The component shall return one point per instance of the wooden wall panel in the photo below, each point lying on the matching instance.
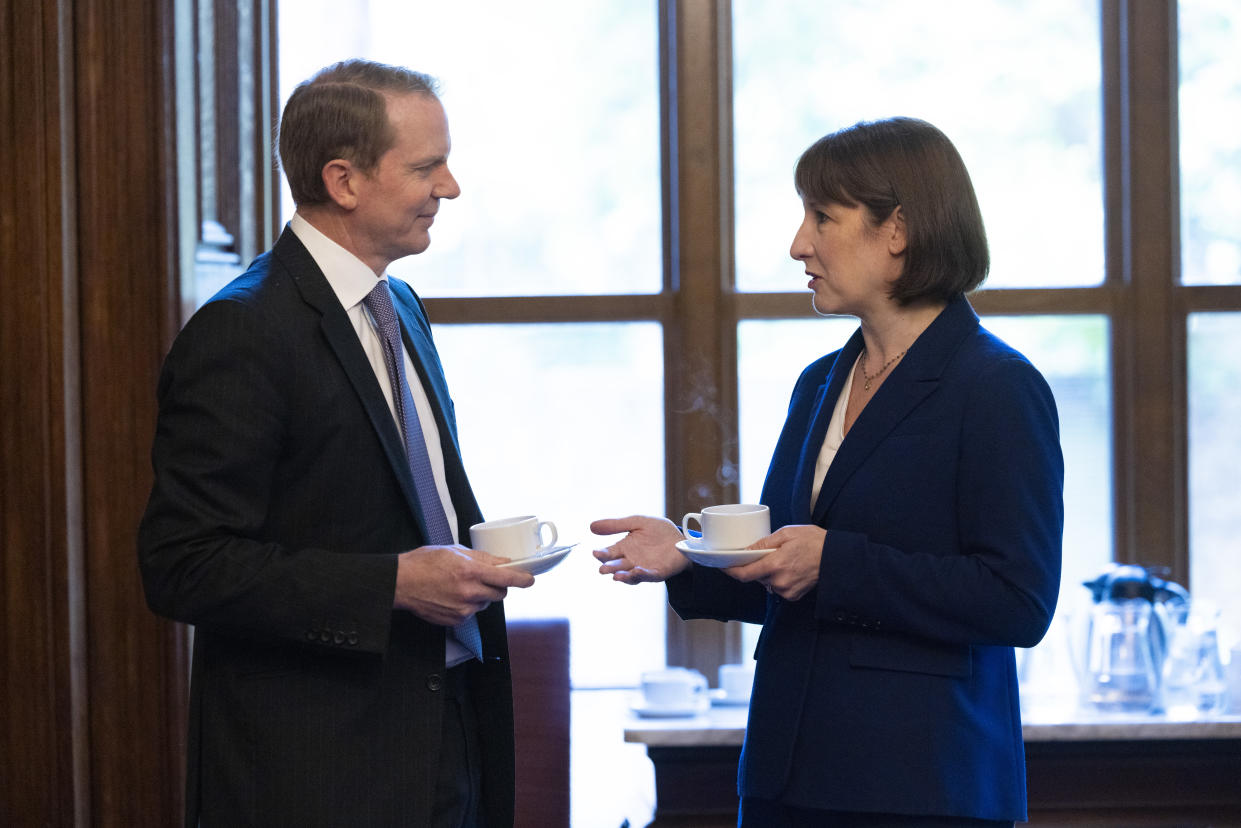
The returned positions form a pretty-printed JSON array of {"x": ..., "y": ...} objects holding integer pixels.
[
  {"x": 94, "y": 685},
  {"x": 125, "y": 239},
  {"x": 43, "y": 755}
]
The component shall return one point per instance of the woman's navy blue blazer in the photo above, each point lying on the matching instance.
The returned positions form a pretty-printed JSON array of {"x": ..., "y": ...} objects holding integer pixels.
[{"x": 892, "y": 685}]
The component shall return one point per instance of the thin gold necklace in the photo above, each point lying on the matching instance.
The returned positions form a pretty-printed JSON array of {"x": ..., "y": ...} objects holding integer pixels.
[{"x": 872, "y": 377}]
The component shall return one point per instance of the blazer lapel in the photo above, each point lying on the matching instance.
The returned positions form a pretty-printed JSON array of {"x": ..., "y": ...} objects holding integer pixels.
[
  {"x": 913, "y": 380},
  {"x": 343, "y": 340},
  {"x": 422, "y": 352},
  {"x": 824, "y": 404}
]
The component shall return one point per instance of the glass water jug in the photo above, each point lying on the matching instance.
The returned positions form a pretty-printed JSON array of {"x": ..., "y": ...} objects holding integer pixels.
[{"x": 1122, "y": 660}]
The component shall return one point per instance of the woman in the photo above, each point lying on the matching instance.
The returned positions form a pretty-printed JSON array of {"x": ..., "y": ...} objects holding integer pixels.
[{"x": 917, "y": 491}]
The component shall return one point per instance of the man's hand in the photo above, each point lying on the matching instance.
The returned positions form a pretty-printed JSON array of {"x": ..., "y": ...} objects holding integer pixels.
[
  {"x": 447, "y": 584},
  {"x": 647, "y": 553}
]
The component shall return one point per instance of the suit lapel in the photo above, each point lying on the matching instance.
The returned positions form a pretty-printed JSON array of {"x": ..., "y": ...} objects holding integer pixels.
[
  {"x": 343, "y": 340},
  {"x": 423, "y": 354},
  {"x": 913, "y": 380},
  {"x": 416, "y": 330},
  {"x": 824, "y": 403}
]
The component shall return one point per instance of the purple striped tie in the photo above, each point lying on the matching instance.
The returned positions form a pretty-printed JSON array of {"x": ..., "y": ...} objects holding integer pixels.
[{"x": 379, "y": 302}]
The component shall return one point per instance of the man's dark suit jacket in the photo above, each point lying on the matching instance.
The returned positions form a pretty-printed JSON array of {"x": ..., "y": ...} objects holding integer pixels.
[
  {"x": 281, "y": 500},
  {"x": 891, "y": 687}
]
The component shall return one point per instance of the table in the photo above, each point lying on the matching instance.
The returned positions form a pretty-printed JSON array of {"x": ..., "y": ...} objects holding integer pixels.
[{"x": 1115, "y": 771}]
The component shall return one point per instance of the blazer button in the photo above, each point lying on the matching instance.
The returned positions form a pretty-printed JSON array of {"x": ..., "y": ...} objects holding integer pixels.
[
  {"x": 325, "y": 637},
  {"x": 339, "y": 638},
  {"x": 311, "y": 635},
  {"x": 353, "y": 639},
  {"x": 435, "y": 681}
]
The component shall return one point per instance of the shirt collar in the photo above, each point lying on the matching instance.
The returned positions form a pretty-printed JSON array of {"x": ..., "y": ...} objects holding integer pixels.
[{"x": 350, "y": 278}]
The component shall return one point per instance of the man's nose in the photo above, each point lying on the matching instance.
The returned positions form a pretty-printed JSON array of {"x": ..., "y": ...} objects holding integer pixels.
[{"x": 447, "y": 186}]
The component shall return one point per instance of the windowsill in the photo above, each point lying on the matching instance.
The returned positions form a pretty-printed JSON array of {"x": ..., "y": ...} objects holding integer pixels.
[
  {"x": 1082, "y": 726},
  {"x": 725, "y": 726}
]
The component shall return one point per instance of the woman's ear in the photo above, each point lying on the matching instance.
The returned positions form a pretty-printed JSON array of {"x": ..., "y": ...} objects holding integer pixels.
[
  {"x": 340, "y": 181},
  {"x": 895, "y": 229}
]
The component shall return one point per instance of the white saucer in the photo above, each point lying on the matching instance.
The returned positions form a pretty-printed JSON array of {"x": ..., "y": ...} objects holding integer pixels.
[
  {"x": 652, "y": 711},
  {"x": 721, "y": 699},
  {"x": 718, "y": 558},
  {"x": 541, "y": 561}
]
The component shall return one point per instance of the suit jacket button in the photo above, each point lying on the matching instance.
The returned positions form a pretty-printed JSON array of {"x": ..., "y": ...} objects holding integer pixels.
[
  {"x": 339, "y": 638},
  {"x": 325, "y": 637},
  {"x": 353, "y": 639},
  {"x": 311, "y": 635},
  {"x": 435, "y": 681}
]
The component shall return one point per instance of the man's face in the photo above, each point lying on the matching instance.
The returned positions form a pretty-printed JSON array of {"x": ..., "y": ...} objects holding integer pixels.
[{"x": 398, "y": 199}]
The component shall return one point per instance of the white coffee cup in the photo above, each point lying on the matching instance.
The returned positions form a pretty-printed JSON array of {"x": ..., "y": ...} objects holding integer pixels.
[
  {"x": 733, "y": 526},
  {"x": 676, "y": 688},
  {"x": 513, "y": 538},
  {"x": 736, "y": 681}
]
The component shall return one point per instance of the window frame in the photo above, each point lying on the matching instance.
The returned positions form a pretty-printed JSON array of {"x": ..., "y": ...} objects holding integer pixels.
[{"x": 699, "y": 306}]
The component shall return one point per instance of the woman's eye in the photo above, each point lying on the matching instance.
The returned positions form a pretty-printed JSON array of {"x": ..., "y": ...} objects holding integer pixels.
[{"x": 820, "y": 216}]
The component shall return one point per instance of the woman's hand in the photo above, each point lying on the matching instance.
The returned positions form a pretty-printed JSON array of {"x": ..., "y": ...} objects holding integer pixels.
[
  {"x": 647, "y": 553},
  {"x": 791, "y": 568}
]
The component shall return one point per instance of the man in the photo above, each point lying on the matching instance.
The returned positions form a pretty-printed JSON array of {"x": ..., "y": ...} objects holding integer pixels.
[{"x": 309, "y": 494}]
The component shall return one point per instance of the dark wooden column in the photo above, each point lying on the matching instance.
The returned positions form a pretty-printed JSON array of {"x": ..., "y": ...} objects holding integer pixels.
[
  {"x": 43, "y": 729},
  {"x": 94, "y": 684},
  {"x": 701, "y": 332},
  {"x": 1149, "y": 342}
]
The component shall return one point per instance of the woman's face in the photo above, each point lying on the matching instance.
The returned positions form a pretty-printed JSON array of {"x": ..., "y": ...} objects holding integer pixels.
[{"x": 851, "y": 263}]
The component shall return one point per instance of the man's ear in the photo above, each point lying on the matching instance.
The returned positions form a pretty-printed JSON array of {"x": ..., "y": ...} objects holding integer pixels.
[
  {"x": 895, "y": 226},
  {"x": 340, "y": 181}
]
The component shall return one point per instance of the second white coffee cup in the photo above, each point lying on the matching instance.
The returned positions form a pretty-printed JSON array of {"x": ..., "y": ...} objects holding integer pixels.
[
  {"x": 513, "y": 538},
  {"x": 732, "y": 526},
  {"x": 674, "y": 687},
  {"x": 736, "y": 681}
]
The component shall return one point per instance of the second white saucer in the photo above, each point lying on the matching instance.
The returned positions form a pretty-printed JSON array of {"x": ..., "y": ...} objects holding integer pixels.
[
  {"x": 721, "y": 699},
  {"x": 718, "y": 558},
  {"x": 654, "y": 711},
  {"x": 541, "y": 561}
]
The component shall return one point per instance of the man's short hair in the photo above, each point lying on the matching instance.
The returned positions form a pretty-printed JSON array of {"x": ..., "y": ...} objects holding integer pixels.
[{"x": 342, "y": 112}]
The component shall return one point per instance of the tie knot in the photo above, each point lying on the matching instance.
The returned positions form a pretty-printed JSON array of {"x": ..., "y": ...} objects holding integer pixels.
[{"x": 379, "y": 302}]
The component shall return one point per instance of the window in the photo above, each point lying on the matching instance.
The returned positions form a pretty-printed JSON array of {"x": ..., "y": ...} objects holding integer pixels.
[
  {"x": 642, "y": 204},
  {"x": 559, "y": 391},
  {"x": 1035, "y": 159},
  {"x": 1210, "y": 166}
]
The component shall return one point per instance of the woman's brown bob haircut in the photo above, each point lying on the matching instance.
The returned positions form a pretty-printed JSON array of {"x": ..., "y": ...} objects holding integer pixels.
[
  {"x": 341, "y": 112},
  {"x": 906, "y": 163}
]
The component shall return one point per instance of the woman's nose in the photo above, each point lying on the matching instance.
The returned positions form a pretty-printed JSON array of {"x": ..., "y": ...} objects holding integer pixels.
[{"x": 799, "y": 249}]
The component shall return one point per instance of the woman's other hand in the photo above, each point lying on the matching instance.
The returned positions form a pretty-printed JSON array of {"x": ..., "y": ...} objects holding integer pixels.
[
  {"x": 647, "y": 553},
  {"x": 791, "y": 568}
]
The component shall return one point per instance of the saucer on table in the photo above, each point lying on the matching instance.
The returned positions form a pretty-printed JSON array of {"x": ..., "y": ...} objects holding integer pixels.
[
  {"x": 721, "y": 699},
  {"x": 540, "y": 561},
  {"x": 694, "y": 549},
  {"x": 657, "y": 711}
]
